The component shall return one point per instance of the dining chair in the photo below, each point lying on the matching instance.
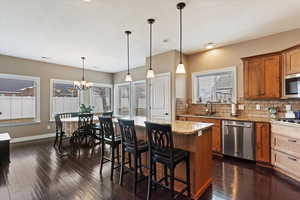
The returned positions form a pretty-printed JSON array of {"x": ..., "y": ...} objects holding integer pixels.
[
  {"x": 59, "y": 132},
  {"x": 109, "y": 138},
  {"x": 84, "y": 130},
  {"x": 132, "y": 146},
  {"x": 161, "y": 150}
]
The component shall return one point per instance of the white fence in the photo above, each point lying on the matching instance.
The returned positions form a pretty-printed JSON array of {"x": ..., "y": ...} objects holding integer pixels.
[
  {"x": 65, "y": 104},
  {"x": 17, "y": 107}
]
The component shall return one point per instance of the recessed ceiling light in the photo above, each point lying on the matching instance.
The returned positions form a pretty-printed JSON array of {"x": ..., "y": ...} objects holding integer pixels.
[
  {"x": 87, "y": 1},
  {"x": 45, "y": 58},
  {"x": 210, "y": 45}
]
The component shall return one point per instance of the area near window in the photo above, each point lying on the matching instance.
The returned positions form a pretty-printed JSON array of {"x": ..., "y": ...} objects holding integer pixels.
[
  {"x": 218, "y": 86},
  {"x": 64, "y": 97},
  {"x": 130, "y": 99},
  {"x": 101, "y": 98},
  {"x": 19, "y": 99}
]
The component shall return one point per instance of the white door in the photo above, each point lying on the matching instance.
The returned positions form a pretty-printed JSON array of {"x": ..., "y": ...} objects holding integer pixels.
[{"x": 160, "y": 93}]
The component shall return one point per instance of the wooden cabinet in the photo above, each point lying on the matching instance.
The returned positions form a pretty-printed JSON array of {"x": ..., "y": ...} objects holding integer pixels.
[
  {"x": 216, "y": 132},
  {"x": 263, "y": 146},
  {"x": 291, "y": 60},
  {"x": 286, "y": 149},
  {"x": 262, "y": 77}
]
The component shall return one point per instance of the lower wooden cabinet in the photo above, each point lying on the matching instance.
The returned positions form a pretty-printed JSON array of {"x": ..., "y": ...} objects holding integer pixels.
[
  {"x": 216, "y": 132},
  {"x": 263, "y": 144},
  {"x": 286, "y": 149}
]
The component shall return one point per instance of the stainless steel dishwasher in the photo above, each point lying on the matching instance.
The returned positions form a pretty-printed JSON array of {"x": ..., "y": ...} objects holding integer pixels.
[{"x": 238, "y": 139}]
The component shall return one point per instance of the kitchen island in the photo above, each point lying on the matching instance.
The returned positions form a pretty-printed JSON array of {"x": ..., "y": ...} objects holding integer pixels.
[{"x": 194, "y": 137}]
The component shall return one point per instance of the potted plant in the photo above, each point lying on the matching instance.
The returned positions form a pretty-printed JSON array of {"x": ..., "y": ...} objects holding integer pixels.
[{"x": 85, "y": 109}]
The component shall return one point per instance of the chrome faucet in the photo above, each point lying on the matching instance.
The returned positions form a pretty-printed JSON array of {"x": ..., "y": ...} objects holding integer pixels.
[{"x": 209, "y": 109}]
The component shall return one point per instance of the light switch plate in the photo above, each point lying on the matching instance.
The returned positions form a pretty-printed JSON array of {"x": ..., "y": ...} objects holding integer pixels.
[
  {"x": 48, "y": 127},
  {"x": 257, "y": 107},
  {"x": 288, "y": 107},
  {"x": 241, "y": 107}
]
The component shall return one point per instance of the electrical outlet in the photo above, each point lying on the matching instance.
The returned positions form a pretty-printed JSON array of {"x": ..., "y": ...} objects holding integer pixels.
[
  {"x": 241, "y": 107},
  {"x": 257, "y": 107},
  {"x": 288, "y": 107},
  {"x": 48, "y": 127}
]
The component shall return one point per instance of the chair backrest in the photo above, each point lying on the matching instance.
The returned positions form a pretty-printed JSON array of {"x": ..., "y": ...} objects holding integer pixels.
[
  {"x": 85, "y": 121},
  {"x": 128, "y": 134},
  {"x": 107, "y": 114},
  {"x": 69, "y": 115},
  {"x": 58, "y": 123},
  {"x": 107, "y": 127},
  {"x": 160, "y": 138}
]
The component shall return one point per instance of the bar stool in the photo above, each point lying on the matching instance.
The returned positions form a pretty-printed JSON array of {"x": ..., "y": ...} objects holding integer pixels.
[
  {"x": 131, "y": 145},
  {"x": 161, "y": 150},
  {"x": 109, "y": 138}
]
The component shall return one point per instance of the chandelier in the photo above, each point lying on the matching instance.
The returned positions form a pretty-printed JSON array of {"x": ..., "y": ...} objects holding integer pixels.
[{"x": 82, "y": 85}]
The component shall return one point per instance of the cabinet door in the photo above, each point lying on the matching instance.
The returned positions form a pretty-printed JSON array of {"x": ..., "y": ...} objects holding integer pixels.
[
  {"x": 272, "y": 79},
  {"x": 263, "y": 146},
  {"x": 287, "y": 163},
  {"x": 292, "y": 61},
  {"x": 254, "y": 81},
  {"x": 286, "y": 144},
  {"x": 216, "y": 131}
]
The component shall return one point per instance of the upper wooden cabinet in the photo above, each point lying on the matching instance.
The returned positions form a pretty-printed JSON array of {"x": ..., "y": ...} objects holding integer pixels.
[
  {"x": 291, "y": 60},
  {"x": 262, "y": 76}
]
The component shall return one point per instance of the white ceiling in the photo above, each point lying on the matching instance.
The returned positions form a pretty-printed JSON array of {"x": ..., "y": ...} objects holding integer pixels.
[{"x": 65, "y": 30}]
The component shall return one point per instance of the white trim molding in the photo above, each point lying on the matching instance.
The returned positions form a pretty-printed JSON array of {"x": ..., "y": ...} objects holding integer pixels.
[
  {"x": 213, "y": 71},
  {"x": 32, "y": 138}
]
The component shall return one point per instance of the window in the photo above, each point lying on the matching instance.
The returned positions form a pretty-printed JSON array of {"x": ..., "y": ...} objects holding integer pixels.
[
  {"x": 217, "y": 86},
  {"x": 100, "y": 97},
  {"x": 64, "y": 97},
  {"x": 19, "y": 98},
  {"x": 122, "y": 99},
  {"x": 139, "y": 98}
]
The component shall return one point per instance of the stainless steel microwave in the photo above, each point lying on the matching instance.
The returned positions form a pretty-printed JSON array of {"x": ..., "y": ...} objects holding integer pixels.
[{"x": 292, "y": 86}]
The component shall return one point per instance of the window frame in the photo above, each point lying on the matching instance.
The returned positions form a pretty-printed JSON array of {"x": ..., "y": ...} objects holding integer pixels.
[
  {"x": 195, "y": 88},
  {"x": 105, "y": 86},
  {"x": 133, "y": 96},
  {"x": 116, "y": 98},
  {"x": 51, "y": 94},
  {"x": 37, "y": 81}
]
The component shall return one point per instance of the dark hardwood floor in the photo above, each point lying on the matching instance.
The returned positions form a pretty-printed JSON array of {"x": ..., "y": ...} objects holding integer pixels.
[{"x": 38, "y": 172}]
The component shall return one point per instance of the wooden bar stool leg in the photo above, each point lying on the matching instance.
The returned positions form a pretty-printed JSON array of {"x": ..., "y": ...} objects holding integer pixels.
[
  {"x": 102, "y": 156},
  {"x": 188, "y": 181},
  {"x": 172, "y": 175},
  {"x": 135, "y": 172},
  {"x": 118, "y": 154},
  {"x": 129, "y": 159},
  {"x": 122, "y": 165},
  {"x": 140, "y": 164},
  {"x": 112, "y": 161},
  {"x": 150, "y": 179},
  {"x": 166, "y": 175}
]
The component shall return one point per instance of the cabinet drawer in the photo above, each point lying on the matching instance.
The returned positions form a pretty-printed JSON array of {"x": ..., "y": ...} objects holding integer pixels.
[
  {"x": 286, "y": 144},
  {"x": 287, "y": 163}
]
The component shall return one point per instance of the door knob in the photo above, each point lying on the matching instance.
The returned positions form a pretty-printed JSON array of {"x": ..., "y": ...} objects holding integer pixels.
[{"x": 166, "y": 113}]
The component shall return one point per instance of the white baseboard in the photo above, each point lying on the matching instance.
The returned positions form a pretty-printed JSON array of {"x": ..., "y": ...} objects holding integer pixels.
[{"x": 31, "y": 138}]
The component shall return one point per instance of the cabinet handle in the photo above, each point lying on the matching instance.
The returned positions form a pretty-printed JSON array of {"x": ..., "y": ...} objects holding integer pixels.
[
  {"x": 290, "y": 140},
  {"x": 293, "y": 159},
  {"x": 274, "y": 141}
]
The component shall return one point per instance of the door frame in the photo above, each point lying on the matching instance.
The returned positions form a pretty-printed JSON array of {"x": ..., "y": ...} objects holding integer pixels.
[{"x": 148, "y": 83}]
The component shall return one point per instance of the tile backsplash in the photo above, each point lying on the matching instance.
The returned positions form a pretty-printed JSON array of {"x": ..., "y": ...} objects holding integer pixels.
[{"x": 250, "y": 107}]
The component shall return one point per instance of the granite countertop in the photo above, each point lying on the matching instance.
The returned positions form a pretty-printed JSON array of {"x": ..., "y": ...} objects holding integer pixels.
[
  {"x": 277, "y": 122},
  {"x": 178, "y": 127},
  {"x": 238, "y": 118}
]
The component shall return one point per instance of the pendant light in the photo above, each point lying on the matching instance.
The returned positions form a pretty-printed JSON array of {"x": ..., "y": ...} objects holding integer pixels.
[
  {"x": 82, "y": 85},
  {"x": 150, "y": 72},
  {"x": 180, "y": 68},
  {"x": 128, "y": 77}
]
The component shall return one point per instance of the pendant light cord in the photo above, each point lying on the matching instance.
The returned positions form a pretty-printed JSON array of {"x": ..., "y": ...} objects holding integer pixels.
[
  {"x": 83, "y": 67},
  {"x": 150, "y": 46},
  {"x": 128, "y": 52},
  {"x": 181, "y": 36}
]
